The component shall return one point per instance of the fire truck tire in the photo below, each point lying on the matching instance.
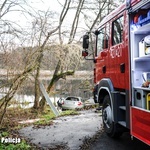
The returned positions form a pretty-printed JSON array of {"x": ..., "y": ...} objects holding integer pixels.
[{"x": 110, "y": 127}]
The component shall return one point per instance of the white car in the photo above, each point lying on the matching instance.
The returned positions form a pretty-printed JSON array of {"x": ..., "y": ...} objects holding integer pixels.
[{"x": 72, "y": 102}]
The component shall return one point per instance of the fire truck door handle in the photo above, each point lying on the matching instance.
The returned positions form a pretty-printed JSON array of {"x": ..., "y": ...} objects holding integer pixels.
[
  {"x": 122, "y": 67},
  {"x": 104, "y": 69}
]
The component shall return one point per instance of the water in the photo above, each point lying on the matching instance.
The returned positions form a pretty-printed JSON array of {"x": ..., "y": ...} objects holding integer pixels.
[
  {"x": 24, "y": 98},
  {"x": 25, "y": 101}
]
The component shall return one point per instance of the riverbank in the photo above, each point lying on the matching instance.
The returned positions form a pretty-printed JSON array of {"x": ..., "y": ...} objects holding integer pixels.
[
  {"x": 68, "y": 132},
  {"x": 17, "y": 118},
  {"x": 46, "y": 74}
]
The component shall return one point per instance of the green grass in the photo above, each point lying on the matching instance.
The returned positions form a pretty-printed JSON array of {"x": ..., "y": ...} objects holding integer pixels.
[
  {"x": 69, "y": 112},
  {"x": 21, "y": 146},
  {"x": 48, "y": 116}
]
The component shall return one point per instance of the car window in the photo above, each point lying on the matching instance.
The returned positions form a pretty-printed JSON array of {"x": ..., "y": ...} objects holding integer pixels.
[
  {"x": 69, "y": 98},
  {"x": 72, "y": 99},
  {"x": 75, "y": 99}
]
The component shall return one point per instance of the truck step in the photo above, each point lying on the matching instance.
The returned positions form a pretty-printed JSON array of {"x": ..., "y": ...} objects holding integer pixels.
[
  {"x": 122, "y": 93},
  {"x": 123, "y": 123},
  {"x": 122, "y": 107}
]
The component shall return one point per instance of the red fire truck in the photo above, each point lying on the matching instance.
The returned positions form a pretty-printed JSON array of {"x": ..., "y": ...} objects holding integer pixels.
[{"x": 122, "y": 69}]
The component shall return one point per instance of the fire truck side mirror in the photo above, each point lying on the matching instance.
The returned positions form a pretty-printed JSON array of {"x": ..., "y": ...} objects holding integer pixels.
[
  {"x": 84, "y": 53},
  {"x": 86, "y": 41}
]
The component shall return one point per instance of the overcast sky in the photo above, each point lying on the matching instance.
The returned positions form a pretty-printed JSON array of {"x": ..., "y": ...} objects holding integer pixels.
[
  {"x": 43, "y": 5},
  {"x": 52, "y": 5}
]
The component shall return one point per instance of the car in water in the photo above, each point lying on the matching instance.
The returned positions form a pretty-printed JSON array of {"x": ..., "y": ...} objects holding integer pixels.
[{"x": 72, "y": 102}]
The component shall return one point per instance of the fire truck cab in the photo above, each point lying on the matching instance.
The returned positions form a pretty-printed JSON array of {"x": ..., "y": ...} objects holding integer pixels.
[{"x": 122, "y": 69}]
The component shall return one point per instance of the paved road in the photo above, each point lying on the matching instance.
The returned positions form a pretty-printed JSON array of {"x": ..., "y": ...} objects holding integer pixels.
[
  {"x": 82, "y": 132},
  {"x": 123, "y": 143},
  {"x": 67, "y": 132}
]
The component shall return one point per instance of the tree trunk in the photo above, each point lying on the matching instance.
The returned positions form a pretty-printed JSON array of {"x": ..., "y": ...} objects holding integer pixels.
[
  {"x": 42, "y": 102},
  {"x": 37, "y": 90},
  {"x": 55, "y": 78}
]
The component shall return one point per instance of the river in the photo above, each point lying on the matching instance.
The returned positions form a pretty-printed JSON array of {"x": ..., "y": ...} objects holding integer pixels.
[{"x": 78, "y": 85}]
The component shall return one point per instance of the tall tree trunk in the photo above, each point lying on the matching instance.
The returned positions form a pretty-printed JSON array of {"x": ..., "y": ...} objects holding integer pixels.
[
  {"x": 16, "y": 83},
  {"x": 37, "y": 90},
  {"x": 39, "y": 60},
  {"x": 42, "y": 102},
  {"x": 55, "y": 78}
]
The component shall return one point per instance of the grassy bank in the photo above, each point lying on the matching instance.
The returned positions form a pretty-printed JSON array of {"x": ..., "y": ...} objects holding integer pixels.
[{"x": 17, "y": 118}]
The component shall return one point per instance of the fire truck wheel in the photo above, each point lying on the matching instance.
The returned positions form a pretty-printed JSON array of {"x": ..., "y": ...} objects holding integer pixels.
[{"x": 109, "y": 126}]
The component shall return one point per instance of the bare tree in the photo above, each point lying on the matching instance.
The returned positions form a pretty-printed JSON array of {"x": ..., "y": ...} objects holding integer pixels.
[
  {"x": 60, "y": 70},
  {"x": 76, "y": 21},
  {"x": 69, "y": 58},
  {"x": 98, "y": 10},
  {"x": 33, "y": 62},
  {"x": 42, "y": 26},
  {"x": 10, "y": 27},
  {"x": 62, "y": 16},
  {"x": 43, "y": 31},
  {"x": 40, "y": 37}
]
